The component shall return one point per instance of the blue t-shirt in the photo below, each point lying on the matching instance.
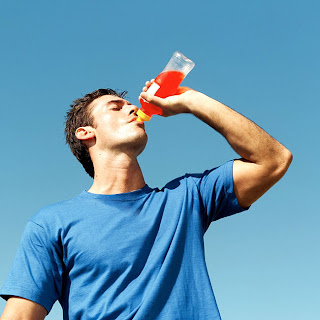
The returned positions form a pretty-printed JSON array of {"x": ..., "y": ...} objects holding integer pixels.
[{"x": 137, "y": 255}]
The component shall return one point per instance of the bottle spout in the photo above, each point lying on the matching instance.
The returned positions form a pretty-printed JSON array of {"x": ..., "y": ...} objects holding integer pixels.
[
  {"x": 142, "y": 116},
  {"x": 139, "y": 119}
]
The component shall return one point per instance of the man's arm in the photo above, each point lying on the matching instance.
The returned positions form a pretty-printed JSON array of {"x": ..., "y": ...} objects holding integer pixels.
[
  {"x": 264, "y": 160},
  {"x": 22, "y": 309}
]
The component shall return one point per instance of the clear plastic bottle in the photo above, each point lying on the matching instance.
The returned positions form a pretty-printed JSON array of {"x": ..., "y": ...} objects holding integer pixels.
[{"x": 165, "y": 84}]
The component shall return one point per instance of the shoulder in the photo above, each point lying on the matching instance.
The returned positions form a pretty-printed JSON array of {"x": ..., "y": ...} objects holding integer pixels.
[
  {"x": 220, "y": 173},
  {"x": 55, "y": 213}
]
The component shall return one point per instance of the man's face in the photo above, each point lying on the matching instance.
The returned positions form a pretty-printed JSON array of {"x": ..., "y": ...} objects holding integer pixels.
[{"x": 116, "y": 128}]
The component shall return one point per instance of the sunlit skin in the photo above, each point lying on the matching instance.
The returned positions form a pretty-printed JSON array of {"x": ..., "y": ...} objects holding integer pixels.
[{"x": 114, "y": 144}]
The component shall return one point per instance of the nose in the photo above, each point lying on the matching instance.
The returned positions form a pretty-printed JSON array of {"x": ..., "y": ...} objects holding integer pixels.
[{"x": 132, "y": 109}]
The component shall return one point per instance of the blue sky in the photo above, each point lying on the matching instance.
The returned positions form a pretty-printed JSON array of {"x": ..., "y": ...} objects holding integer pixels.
[{"x": 259, "y": 57}]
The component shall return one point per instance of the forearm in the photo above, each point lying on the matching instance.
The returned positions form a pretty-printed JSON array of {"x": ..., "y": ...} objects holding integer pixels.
[
  {"x": 245, "y": 137},
  {"x": 22, "y": 309}
]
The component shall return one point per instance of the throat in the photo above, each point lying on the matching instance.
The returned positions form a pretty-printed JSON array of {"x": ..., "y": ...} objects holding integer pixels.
[{"x": 117, "y": 180}]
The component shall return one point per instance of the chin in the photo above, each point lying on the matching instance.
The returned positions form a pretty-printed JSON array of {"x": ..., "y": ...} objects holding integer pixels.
[
  {"x": 142, "y": 144},
  {"x": 137, "y": 144}
]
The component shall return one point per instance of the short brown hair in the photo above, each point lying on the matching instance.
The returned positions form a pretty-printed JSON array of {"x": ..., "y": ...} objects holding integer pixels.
[{"x": 80, "y": 115}]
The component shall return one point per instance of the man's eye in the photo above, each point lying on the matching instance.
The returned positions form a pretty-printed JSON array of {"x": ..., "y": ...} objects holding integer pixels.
[{"x": 116, "y": 108}]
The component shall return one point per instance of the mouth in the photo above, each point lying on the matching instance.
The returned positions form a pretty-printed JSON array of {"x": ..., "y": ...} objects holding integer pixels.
[
  {"x": 132, "y": 118},
  {"x": 135, "y": 120}
]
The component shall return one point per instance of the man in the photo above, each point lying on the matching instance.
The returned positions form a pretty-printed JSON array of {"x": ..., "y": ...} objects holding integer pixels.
[{"x": 122, "y": 250}]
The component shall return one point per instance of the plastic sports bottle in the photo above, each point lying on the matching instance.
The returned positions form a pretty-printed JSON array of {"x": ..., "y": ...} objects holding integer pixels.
[{"x": 165, "y": 84}]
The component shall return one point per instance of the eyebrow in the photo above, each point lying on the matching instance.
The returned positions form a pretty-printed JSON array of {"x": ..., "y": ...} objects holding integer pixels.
[{"x": 118, "y": 101}]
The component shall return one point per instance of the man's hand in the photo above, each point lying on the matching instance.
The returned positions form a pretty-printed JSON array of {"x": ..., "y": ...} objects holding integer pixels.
[{"x": 172, "y": 105}]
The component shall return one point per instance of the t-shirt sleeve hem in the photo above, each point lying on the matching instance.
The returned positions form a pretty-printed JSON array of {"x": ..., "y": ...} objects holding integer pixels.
[
  {"x": 228, "y": 186},
  {"x": 7, "y": 292}
]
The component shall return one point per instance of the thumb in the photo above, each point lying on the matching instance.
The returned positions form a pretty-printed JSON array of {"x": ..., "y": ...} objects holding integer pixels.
[{"x": 152, "y": 99}]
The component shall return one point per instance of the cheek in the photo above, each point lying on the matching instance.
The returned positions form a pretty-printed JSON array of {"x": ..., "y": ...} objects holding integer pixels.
[
  {"x": 106, "y": 130},
  {"x": 109, "y": 125}
]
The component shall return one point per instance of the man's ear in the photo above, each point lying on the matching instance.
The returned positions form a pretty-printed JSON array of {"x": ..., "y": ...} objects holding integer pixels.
[{"x": 85, "y": 133}]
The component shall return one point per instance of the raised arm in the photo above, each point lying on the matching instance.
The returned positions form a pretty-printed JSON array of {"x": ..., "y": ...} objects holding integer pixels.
[
  {"x": 264, "y": 160},
  {"x": 22, "y": 309}
]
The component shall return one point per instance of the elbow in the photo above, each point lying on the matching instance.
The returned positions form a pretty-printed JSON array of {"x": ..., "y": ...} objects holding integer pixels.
[
  {"x": 282, "y": 163},
  {"x": 287, "y": 159},
  {"x": 290, "y": 157}
]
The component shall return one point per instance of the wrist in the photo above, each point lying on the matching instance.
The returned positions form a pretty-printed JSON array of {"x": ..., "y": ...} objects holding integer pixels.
[{"x": 195, "y": 101}]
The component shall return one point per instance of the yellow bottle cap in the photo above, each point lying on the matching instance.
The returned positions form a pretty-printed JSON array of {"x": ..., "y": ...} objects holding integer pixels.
[{"x": 142, "y": 116}]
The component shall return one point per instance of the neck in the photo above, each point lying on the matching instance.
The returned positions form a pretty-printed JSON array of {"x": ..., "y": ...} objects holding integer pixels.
[{"x": 113, "y": 175}]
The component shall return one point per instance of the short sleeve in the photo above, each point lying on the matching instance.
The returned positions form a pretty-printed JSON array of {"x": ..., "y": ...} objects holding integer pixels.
[
  {"x": 36, "y": 273},
  {"x": 216, "y": 193}
]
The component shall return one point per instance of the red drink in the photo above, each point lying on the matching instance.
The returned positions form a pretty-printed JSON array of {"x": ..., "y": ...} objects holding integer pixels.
[
  {"x": 165, "y": 85},
  {"x": 169, "y": 82}
]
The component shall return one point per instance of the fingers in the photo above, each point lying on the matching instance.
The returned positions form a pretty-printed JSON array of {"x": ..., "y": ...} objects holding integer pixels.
[
  {"x": 147, "y": 85},
  {"x": 153, "y": 99}
]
